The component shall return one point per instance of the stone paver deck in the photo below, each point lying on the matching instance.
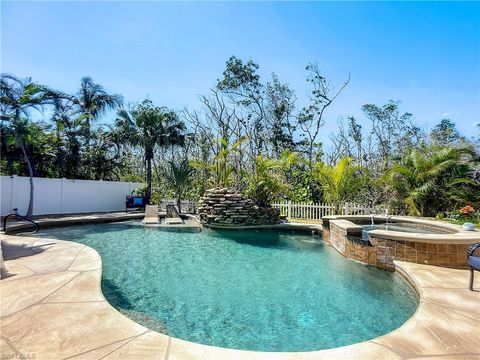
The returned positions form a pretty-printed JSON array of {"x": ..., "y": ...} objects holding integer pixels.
[{"x": 52, "y": 307}]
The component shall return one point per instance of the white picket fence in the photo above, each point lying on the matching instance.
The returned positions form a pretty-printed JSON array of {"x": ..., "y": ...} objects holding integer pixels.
[
  {"x": 311, "y": 211},
  {"x": 293, "y": 210}
]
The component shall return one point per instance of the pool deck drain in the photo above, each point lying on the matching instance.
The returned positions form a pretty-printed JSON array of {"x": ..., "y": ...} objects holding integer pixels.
[{"x": 52, "y": 307}]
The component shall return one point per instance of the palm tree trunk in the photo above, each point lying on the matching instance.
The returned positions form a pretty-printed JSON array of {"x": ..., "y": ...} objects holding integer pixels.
[
  {"x": 179, "y": 203},
  {"x": 88, "y": 136},
  {"x": 149, "y": 177},
  {"x": 30, "y": 172},
  {"x": 87, "y": 131}
]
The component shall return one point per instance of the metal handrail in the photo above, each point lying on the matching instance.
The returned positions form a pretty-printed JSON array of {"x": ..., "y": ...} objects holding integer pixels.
[{"x": 37, "y": 227}]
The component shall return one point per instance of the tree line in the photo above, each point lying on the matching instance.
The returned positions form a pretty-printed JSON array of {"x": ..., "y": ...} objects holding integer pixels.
[{"x": 246, "y": 133}]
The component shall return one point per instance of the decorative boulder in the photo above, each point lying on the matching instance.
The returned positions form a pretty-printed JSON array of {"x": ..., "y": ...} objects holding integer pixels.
[
  {"x": 469, "y": 226},
  {"x": 221, "y": 206}
]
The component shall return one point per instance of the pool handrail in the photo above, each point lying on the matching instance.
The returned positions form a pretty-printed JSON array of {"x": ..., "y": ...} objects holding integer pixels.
[{"x": 5, "y": 219}]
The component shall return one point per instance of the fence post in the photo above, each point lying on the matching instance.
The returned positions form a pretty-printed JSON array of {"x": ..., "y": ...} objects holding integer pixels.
[
  {"x": 100, "y": 189},
  {"x": 12, "y": 193},
  {"x": 347, "y": 210},
  {"x": 289, "y": 209},
  {"x": 61, "y": 196}
]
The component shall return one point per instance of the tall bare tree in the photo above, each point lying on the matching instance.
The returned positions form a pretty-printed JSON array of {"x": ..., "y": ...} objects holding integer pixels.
[{"x": 311, "y": 118}]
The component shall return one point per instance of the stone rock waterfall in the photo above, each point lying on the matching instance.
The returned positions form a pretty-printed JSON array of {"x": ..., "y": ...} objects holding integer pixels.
[{"x": 225, "y": 207}]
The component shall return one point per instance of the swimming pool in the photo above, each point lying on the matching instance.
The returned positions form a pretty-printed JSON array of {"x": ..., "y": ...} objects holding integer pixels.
[{"x": 254, "y": 290}]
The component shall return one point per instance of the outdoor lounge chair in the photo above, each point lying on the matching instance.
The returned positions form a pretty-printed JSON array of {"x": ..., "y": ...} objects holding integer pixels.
[
  {"x": 173, "y": 217},
  {"x": 151, "y": 215},
  {"x": 473, "y": 262}
]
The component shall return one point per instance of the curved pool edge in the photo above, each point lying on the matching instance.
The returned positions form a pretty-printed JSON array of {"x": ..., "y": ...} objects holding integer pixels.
[{"x": 68, "y": 315}]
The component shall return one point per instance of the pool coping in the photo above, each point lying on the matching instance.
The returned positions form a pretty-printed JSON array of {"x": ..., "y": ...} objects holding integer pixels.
[
  {"x": 53, "y": 307},
  {"x": 92, "y": 218},
  {"x": 281, "y": 226},
  {"x": 74, "y": 219}
]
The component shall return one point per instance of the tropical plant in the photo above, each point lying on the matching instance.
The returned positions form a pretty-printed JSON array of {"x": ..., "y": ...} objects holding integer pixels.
[
  {"x": 92, "y": 101},
  {"x": 103, "y": 158},
  {"x": 149, "y": 126},
  {"x": 178, "y": 176},
  {"x": 433, "y": 179},
  {"x": 17, "y": 98},
  {"x": 223, "y": 168},
  {"x": 40, "y": 144},
  {"x": 459, "y": 216},
  {"x": 341, "y": 182},
  {"x": 69, "y": 137},
  {"x": 267, "y": 183}
]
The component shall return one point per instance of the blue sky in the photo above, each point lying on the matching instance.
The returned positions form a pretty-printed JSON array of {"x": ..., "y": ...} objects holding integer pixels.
[{"x": 425, "y": 54}]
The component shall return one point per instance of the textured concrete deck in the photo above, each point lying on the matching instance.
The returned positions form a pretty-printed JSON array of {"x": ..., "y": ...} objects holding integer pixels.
[{"x": 52, "y": 307}]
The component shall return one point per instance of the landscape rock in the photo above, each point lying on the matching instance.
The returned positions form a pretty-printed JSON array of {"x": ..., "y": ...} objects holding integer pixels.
[{"x": 222, "y": 206}]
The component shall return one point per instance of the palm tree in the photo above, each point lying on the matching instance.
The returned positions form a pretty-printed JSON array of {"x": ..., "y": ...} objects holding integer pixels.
[
  {"x": 68, "y": 133},
  {"x": 92, "y": 101},
  {"x": 341, "y": 182},
  {"x": 17, "y": 98},
  {"x": 222, "y": 168},
  {"x": 268, "y": 182},
  {"x": 149, "y": 126},
  {"x": 177, "y": 175},
  {"x": 104, "y": 157},
  {"x": 74, "y": 114},
  {"x": 434, "y": 179}
]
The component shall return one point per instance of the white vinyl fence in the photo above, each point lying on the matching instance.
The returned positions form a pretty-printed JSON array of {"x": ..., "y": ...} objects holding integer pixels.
[
  {"x": 63, "y": 196},
  {"x": 317, "y": 211}
]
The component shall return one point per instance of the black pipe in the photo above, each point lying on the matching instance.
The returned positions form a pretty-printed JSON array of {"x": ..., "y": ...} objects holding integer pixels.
[{"x": 37, "y": 227}]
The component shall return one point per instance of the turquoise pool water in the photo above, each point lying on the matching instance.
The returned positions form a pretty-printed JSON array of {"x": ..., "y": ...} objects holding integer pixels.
[{"x": 255, "y": 290}]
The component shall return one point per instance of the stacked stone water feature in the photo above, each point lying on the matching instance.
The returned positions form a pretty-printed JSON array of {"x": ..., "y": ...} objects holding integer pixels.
[{"x": 222, "y": 206}]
